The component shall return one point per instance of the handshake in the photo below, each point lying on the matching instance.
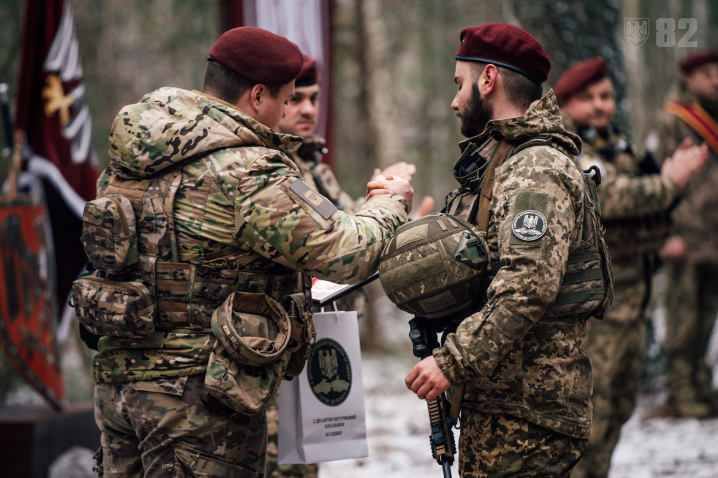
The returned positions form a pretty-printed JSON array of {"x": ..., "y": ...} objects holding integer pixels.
[{"x": 395, "y": 180}]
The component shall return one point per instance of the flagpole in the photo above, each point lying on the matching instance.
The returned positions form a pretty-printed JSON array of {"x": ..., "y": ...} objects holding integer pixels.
[{"x": 7, "y": 127}]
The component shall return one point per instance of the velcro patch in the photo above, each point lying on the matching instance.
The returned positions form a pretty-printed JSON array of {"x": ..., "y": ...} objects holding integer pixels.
[
  {"x": 315, "y": 200},
  {"x": 529, "y": 222}
]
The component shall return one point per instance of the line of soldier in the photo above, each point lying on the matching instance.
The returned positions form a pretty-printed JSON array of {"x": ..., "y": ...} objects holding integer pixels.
[{"x": 241, "y": 179}]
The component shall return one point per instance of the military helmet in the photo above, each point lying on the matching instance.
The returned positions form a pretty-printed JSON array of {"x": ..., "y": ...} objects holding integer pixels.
[
  {"x": 253, "y": 328},
  {"x": 434, "y": 266}
]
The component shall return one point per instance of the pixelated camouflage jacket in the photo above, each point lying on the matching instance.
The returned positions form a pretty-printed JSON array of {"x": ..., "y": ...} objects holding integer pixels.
[
  {"x": 635, "y": 206},
  {"x": 320, "y": 177},
  {"x": 235, "y": 202},
  {"x": 514, "y": 360},
  {"x": 696, "y": 217}
]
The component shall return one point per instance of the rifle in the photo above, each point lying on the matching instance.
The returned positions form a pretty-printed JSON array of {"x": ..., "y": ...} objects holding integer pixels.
[{"x": 443, "y": 446}]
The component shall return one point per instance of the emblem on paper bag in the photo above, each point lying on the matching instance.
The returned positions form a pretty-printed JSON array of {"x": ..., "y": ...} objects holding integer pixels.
[{"x": 329, "y": 372}]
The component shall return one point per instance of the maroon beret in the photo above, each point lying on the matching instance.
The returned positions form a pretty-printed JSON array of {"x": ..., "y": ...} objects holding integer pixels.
[
  {"x": 579, "y": 76},
  {"x": 695, "y": 61},
  {"x": 309, "y": 74},
  {"x": 505, "y": 45},
  {"x": 259, "y": 55}
]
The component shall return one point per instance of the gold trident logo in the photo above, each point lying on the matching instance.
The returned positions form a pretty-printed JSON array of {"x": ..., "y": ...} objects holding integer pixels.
[
  {"x": 56, "y": 100},
  {"x": 313, "y": 197}
]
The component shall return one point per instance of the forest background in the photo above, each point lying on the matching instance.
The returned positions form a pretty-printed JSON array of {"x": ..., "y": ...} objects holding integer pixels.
[{"x": 393, "y": 66}]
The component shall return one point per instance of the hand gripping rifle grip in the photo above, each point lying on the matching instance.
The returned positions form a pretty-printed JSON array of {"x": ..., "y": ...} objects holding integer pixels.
[{"x": 443, "y": 447}]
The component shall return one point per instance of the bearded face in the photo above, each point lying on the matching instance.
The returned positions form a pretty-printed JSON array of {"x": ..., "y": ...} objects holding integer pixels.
[{"x": 476, "y": 114}]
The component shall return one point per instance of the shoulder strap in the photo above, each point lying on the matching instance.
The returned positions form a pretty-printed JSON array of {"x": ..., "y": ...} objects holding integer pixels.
[{"x": 501, "y": 154}]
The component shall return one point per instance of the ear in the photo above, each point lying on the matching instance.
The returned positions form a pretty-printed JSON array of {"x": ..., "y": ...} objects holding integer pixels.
[
  {"x": 487, "y": 79},
  {"x": 255, "y": 96}
]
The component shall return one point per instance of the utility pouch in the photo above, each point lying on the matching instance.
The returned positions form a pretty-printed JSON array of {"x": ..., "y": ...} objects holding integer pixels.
[
  {"x": 109, "y": 234},
  {"x": 250, "y": 356},
  {"x": 107, "y": 307},
  {"x": 303, "y": 334}
]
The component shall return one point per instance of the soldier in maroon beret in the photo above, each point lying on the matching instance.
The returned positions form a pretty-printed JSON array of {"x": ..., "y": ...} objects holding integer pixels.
[
  {"x": 636, "y": 197},
  {"x": 221, "y": 220},
  {"x": 514, "y": 354},
  {"x": 690, "y": 110}
]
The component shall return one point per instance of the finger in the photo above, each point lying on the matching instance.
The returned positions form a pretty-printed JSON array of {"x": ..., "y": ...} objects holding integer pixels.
[
  {"x": 427, "y": 205},
  {"x": 424, "y": 390},
  {"x": 417, "y": 384},
  {"x": 411, "y": 376},
  {"x": 687, "y": 143},
  {"x": 433, "y": 393},
  {"x": 377, "y": 184}
]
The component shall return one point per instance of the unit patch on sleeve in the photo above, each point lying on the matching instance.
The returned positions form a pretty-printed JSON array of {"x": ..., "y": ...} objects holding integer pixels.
[
  {"x": 529, "y": 223},
  {"x": 315, "y": 200}
]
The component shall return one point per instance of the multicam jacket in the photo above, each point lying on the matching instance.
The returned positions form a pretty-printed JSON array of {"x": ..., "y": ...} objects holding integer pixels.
[
  {"x": 696, "y": 217},
  {"x": 237, "y": 203},
  {"x": 514, "y": 359},
  {"x": 636, "y": 206},
  {"x": 635, "y": 202},
  {"x": 320, "y": 177}
]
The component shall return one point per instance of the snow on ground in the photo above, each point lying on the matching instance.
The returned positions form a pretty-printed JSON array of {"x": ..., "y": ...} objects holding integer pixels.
[
  {"x": 397, "y": 427},
  {"x": 398, "y": 435}
]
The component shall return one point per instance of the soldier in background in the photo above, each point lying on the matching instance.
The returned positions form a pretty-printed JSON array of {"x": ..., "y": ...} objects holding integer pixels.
[
  {"x": 300, "y": 120},
  {"x": 636, "y": 197},
  {"x": 691, "y": 253}
]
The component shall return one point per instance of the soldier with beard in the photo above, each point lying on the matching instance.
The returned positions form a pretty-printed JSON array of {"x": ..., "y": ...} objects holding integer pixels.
[
  {"x": 527, "y": 409},
  {"x": 691, "y": 109},
  {"x": 636, "y": 198}
]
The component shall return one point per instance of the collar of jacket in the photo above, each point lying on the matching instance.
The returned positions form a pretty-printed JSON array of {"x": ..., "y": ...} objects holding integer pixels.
[
  {"x": 170, "y": 125},
  {"x": 267, "y": 137},
  {"x": 542, "y": 117}
]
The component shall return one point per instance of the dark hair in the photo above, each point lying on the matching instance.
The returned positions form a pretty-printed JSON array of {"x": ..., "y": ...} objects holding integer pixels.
[
  {"x": 520, "y": 90},
  {"x": 228, "y": 85}
]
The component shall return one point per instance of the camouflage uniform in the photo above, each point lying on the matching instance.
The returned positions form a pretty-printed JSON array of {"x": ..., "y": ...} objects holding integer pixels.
[
  {"x": 634, "y": 211},
  {"x": 234, "y": 205},
  {"x": 527, "y": 406},
  {"x": 692, "y": 300},
  {"x": 321, "y": 178}
]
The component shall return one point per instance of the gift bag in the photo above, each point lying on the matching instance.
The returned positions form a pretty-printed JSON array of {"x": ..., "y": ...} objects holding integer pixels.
[{"x": 321, "y": 412}]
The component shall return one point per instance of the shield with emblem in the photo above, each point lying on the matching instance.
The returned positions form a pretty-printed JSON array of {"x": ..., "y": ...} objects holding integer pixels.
[
  {"x": 27, "y": 301},
  {"x": 636, "y": 30}
]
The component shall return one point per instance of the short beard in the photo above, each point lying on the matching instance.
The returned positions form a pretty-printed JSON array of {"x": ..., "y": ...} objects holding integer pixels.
[{"x": 476, "y": 115}]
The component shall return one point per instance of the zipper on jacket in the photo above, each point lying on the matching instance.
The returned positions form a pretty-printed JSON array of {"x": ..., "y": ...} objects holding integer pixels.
[{"x": 121, "y": 213}]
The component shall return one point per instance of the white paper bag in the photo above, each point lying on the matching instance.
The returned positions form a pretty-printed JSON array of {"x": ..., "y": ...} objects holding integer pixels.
[{"x": 321, "y": 412}]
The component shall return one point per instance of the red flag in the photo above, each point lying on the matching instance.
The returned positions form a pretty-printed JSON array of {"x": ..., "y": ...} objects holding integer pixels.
[
  {"x": 53, "y": 129},
  {"x": 51, "y": 108},
  {"x": 53, "y": 114}
]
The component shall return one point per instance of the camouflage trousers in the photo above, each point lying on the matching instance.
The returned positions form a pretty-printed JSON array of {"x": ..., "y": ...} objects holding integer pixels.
[
  {"x": 161, "y": 428},
  {"x": 274, "y": 470},
  {"x": 616, "y": 347},
  {"x": 493, "y": 446},
  {"x": 692, "y": 305}
]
